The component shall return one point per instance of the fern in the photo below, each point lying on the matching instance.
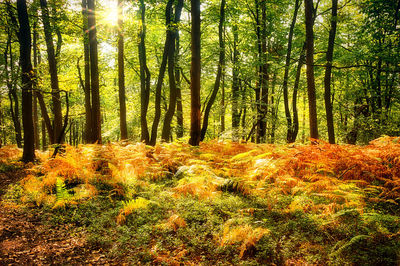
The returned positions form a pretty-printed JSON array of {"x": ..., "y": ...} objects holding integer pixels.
[{"x": 61, "y": 191}]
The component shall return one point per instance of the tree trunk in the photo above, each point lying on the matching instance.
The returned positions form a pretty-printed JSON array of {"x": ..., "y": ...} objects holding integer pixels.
[
  {"x": 26, "y": 81},
  {"x": 35, "y": 107},
  {"x": 55, "y": 89},
  {"x": 264, "y": 75},
  {"x": 295, "y": 126},
  {"x": 166, "y": 131},
  {"x": 121, "y": 75},
  {"x": 221, "y": 64},
  {"x": 312, "y": 100},
  {"x": 161, "y": 74},
  {"x": 286, "y": 75},
  {"x": 44, "y": 141},
  {"x": 86, "y": 86},
  {"x": 328, "y": 74},
  {"x": 195, "y": 75},
  {"x": 179, "y": 107},
  {"x": 12, "y": 92},
  {"x": 94, "y": 74},
  {"x": 144, "y": 76},
  {"x": 235, "y": 86}
]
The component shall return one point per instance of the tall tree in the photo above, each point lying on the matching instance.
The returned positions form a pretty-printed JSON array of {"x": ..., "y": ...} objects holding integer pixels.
[
  {"x": 9, "y": 73},
  {"x": 195, "y": 74},
  {"x": 221, "y": 63},
  {"x": 26, "y": 81},
  {"x": 51, "y": 56},
  {"x": 94, "y": 74},
  {"x": 312, "y": 100},
  {"x": 161, "y": 74},
  {"x": 290, "y": 126},
  {"x": 144, "y": 76},
  {"x": 121, "y": 74},
  {"x": 172, "y": 30},
  {"x": 35, "y": 66},
  {"x": 86, "y": 85},
  {"x": 328, "y": 74},
  {"x": 235, "y": 85}
]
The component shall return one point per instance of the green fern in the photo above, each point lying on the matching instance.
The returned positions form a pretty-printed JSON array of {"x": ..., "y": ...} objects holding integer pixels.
[{"x": 61, "y": 191}]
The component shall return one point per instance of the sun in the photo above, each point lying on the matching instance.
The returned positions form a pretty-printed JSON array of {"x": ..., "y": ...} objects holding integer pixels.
[{"x": 110, "y": 14}]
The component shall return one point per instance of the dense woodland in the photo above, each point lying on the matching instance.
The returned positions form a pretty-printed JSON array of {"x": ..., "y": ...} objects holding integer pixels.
[
  {"x": 261, "y": 71},
  {"x": 200, "y": 132}
]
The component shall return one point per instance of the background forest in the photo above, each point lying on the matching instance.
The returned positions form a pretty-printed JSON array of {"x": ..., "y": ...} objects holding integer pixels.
[
  {"x": 131, "y": 76},
  {"x": 203, "y": 111}
]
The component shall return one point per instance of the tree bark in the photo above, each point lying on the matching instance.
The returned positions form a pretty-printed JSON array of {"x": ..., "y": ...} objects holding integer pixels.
[
  {"x": 286, "y": 75},
  {"x": 195, "y": 75},
  {"x": 12, "y": 92},
  {"x": 166, "y": 131},
  {"x": 312, "y": 100},
  {"x": 179, "y": 107},
  {"x": 235, "y": 86},
  {"x": 144, "y": 76},
  {"x": 328, "y": 74},
  {"x": 221, "y": 64},
  {"x": 121, "y": 75},
  {"x": 35, "y": 107},
  {"x": 86, "y": 86},
  {"x": 161, "y": 74},
  {"x": 94, "y": 74},
  {"x": 55, "y": 89},
  {"x": 26, "y": 81}
]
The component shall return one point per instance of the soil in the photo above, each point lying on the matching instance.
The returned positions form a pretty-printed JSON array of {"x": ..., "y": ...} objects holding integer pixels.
[{"x": 26, "y": 240}]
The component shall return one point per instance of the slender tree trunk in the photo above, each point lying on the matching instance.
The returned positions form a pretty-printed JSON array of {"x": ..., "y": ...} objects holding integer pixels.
[
  {"x": 12, "y": 93},
  {"x": 86, "y": 86},
  {"x": 286, "y": 75},
  {"x": 295, "y": 125},
  {"x": 223, "y": 100},
  {"x": 195, "y": 75},
  {"x": 274, "y": 109},
  {"x": 161, "y": 74},
  {"x": 179, "y": 107},
  {"x": 35, "y": 107},
  {"x": 121, "y": 75},
  {"x": 221, "y": 64},
  {"x": 312, "y": 100},
  {"x": 44, "y": 140},
  {"x": 144, "y": 76},
  {"x": 264, "y": 75},
  {"x": 94, "y": 74},
  {"x": 166, "y": 131},
  {"x": 26, "y": 81},
  {"x": 235, "y": 86},
  {"x": 55, "y": 90},
  {"x": 328, "y": 74}
]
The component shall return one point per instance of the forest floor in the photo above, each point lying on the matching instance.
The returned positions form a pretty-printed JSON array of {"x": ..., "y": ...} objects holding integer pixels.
[
  {"x": 222, "y": 203},
  {"x": 26, "y": 240}
]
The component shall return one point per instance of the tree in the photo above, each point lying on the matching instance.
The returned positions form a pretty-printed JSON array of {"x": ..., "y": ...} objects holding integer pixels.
[
  {"x": 172, "y": 31},
  {"x": 195, "y": 74},
  {"x": 235, "y": 85},
  {"x": 144, "y": 76},
  {"x": 328, "y": 74},
  {"x": 94, "y": 74},
  {"x": 290, "y": 124},
  {"x": 312, "y": 100},
  {"x": 10, "y": 73},
  {"x": 24, "y": 37},
  {"x": 51, "y": 56},
  {"x": 86, "y": 84},
  {"x": 221, "y": 64},
  {"x": 121, "y": 74}
]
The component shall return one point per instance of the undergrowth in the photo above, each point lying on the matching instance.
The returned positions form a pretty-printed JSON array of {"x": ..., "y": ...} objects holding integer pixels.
[{"x": 224, "y": 202}]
